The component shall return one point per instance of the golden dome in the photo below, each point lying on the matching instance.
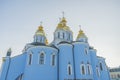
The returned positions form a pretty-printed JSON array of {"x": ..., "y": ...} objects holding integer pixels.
[
  {"x": 63, "y": 20},
  {"x": 40, "y": 31},
  {"x": 81, "y": 34},
  {"x": 40, "y": 28},
  {"x": 62, "y": 25}
]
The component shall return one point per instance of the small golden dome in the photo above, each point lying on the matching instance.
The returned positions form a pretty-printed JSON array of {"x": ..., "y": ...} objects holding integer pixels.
[
  {"x": 63, "y": 20},
  {"x": 60, "y": 26},
  {"x": 40, "y": 31},
  {"x": 40, "y": 28},
  {"x": 81, "y": 34},
  {"x": 46, "y": 42}
]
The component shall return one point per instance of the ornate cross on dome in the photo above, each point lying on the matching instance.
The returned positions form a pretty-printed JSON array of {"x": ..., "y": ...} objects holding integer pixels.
[
  {"x": 63, "y": 13},
  {"x": 80, "y": 27},
  {"x": 41, "y": 23}
]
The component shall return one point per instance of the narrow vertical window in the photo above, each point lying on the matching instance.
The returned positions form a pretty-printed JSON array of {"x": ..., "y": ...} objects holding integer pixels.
[
  {"x": 69, "y": 36},
  {"x": 63, "y": 35},
  {"x": 69, "y": 68},
  {"x": 86, "y": 51},
  {"x": 41, "y": 59},
  {"x": 98, "y": 72},
  {"x": 58, "y": 34},
  {"x": 21, "y": 77},
  {"x": 101, "y": 68},
  {"x": 89, "y": 69},
  {"x": 83, "y": 71},
  {"x": 53, "y": 59},
  {"x": 30, "y": 59}
]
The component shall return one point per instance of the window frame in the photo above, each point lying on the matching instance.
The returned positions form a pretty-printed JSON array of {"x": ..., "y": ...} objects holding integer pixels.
[
  {"x": 101, "y": 66},
  {"x": 30, "y": 57},
  {"x": 39, "y": 58},
  {"x": 52, "y": 59}
]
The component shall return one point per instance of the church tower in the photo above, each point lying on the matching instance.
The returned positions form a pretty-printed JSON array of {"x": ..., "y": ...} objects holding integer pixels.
[
  {"x": 39, "y": 36},
  {"x": 62, "y": 32},
  {"x": 41, "y": 59},
  {"x": 81, "y": 36}
]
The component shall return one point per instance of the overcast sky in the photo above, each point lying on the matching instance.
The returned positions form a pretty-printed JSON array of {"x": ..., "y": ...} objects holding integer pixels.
[{"x": 100, "y": 20}]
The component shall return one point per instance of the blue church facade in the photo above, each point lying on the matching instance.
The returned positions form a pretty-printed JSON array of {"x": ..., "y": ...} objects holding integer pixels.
[{"x": 62, "y": 59}]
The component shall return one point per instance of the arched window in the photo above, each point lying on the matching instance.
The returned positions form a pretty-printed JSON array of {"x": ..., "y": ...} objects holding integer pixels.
[
  {"x": 97, "y": 71},
  {"x": 101, "y": 67},
  {"x": 69, "y": 36},
  {"x": 69, "y": 69},
  {"x": 86, "y": 51},
  {"x": 63, "y": 35},
  {"x": 89, "y": 69},
  {"x": 30, "y": 59},
  {"x": 83, "y": 70},
  {"x": 53, "y": 59},
  {"x": 42, "y": 58}
]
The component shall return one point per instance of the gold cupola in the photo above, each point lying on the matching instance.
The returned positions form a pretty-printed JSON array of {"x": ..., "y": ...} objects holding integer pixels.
[
  {"x": 40, "y": 31},
  {"x": 63, "y": 32},
  {"x": 81, "y": 36},
  {"x": 63, "y": 25},
  {"x": 40, "y": 36}
]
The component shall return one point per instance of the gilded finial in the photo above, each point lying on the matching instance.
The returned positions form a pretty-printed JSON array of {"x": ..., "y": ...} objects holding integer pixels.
[
  {"x": 80, "y": 32},
  {"x": 63, "y": 19},
  {"x": 46, "y": 42},
  {"x": 3, "y": 59},
  {"x": 40, "y": 28}
]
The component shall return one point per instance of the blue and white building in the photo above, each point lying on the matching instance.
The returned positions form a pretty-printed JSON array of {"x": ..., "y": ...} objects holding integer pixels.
[
  {"x": 115, "y": 73},
  {"x": 62, "y": 59}
]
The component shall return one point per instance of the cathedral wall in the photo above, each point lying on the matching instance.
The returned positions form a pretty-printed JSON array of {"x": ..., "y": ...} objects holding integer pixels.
[
  {"x": 66, "y": 65},
  {"x": 16, "y": 68},
  {"x": 82, "y": 58},
  {"x": 4, "y": 68},
  {"x": 41, "y": 67},
  {"x": 104, "y": 72},
  {"x": 95, "y": 66}
]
